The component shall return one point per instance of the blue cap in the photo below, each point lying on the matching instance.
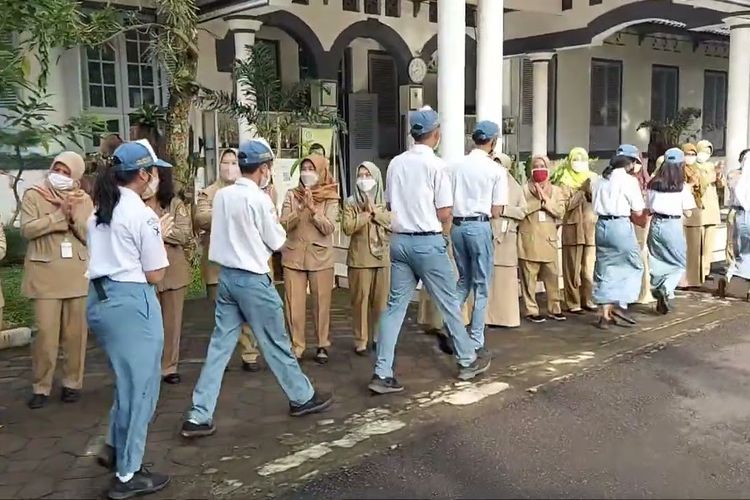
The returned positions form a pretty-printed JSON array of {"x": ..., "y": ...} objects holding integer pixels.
[
  {"x": 486, "y": 130},
  {"x": 254, "y": 152},
  {"x": 630, "y": 151},
  {"x": 674, "y": 155},
  {"x": 132, "y": 156},
  {"x": 158, "y": 162},
  {"x": 423, "y": 121}
]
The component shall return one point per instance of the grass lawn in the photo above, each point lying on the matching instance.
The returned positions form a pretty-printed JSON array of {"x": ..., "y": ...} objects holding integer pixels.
[{"x": 19, "y": 310}]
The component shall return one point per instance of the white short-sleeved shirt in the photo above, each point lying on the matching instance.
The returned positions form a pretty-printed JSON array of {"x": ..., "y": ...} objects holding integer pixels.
[
  {"x": 478, "y": 184},
  {"x": 417, "y": 184},
  {"x": 617, "y": 196},
  {"x": 245, "y": 230},
  {"x": 130, "y": 246},
  {"x": 670, "y": 203}
]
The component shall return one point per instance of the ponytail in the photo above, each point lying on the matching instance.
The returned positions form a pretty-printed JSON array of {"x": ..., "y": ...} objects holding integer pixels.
[
  {"x": 106, "y": 193},
  {"x": 615, "y": 163}
]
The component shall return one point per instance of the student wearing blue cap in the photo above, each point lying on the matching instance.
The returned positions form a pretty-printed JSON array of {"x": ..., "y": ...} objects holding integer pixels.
[
  {"x": 668, "y": 197},
  {"x": 126, "y": 258},
  {"x": 245, "y": 231},
  {"x": 480, "y": 191},
  {"x": 418, "y": 191},
  {"x": 616, "y": 196}
]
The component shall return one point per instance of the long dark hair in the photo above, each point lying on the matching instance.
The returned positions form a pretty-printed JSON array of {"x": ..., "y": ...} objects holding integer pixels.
[
  {"x": 165, "y": 192},
  {"x": 106, "y": 193},
  {"x": 669, "y": 179},
  {"x": 615, "y": 163}
]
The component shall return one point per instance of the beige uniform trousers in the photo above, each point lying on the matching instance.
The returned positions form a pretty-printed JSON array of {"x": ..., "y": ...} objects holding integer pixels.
[
  {"x": 578, "y": 275},
  {"x": 700, "y": 244},
  {"x": 248, "y": 345},
  {"x": 368, "y": 288},
  {"x": 531, "y": 271},
  {"x": 59, "y": 321},
  {"x": 295, "y": 305},
  {"x": 172, "y": 304}
]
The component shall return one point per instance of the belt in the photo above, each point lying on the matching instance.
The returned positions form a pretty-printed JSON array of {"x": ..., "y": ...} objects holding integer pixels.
[
  {"x": 424, "y": 233},
  {"x": 612, "y": 217},
  {"x": 665, "y": 216},
  {"x": 474, "y": 218},
  {"x": 737, "y": 209},
  {"x": 99, "y": 288}
]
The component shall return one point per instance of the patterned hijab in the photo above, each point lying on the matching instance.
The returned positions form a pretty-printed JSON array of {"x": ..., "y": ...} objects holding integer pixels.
[
  {"x": 326, "y": 189},
  {"x": 376, "y": 232}
]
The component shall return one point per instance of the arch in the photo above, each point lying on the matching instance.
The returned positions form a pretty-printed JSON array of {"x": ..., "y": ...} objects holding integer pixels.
[
  {"x": 300, "y": 32},
  {"x": 430, "y": 47},
  {"x": 381, "y": 33}
]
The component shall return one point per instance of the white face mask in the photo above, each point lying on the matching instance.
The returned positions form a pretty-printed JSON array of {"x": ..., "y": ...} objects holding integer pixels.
[
  {"x": 309, "y": 179},
  {"x": 637, "y": 167},
  {"x": 703, "y": 157},
  {"x": 60, "y": 182},
  {"x": 366, "y": 184},
  {"x": 151, "y": 188},
  {"x": 690, "y": 160},
  {"x": 265, "y": 181},
  {"x": 229, "y": 171},
  {"x": 580, "y": 166}
]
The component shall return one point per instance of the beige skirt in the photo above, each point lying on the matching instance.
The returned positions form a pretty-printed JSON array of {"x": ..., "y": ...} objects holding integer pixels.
[{"x": 503, "y": 307}]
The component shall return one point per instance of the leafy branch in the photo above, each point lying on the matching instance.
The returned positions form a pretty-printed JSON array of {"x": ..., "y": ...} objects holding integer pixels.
[{"x": 673, "y": 130}]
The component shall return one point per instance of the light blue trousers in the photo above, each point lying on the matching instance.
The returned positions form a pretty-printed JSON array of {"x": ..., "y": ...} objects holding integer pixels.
[
  {"x": 667, "y": 254},
  {"x": 245, "y": 297},
  {"x": 128, "y": 326},
  {"x": 741, "y": 244},
  {"x": 473, "y": 250},
  {"x": 423, "y": 258},
  {"x": 619, "y": 267}
]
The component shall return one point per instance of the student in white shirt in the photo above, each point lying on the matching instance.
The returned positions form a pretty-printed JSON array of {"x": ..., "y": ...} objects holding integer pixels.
[
  {"x": 739, "y": 190},
  {"x": 126, "y": 258},
  {"x": 667, "y": 198},
  {"x": 616, "y": 196},
  {"x": 245, "y": 231},
  {"x": 418, "y": 191},
  {"x": 480, "y": 190}
]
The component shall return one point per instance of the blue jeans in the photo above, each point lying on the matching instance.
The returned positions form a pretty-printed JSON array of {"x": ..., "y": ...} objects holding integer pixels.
[
  {"x": 245, "y": 297},
  {"x": 420, "y": 258},
  {"x": 474, "y": 252},
  {"x": 128, "y": 326}
]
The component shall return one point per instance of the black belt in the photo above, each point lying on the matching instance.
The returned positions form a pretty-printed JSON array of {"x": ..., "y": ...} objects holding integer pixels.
[
  {"x": 474, "y": 218},
  {"x": 99, "y": 287},
  {"x": 424, "y": 233},
  {"x": 612, "y": 217},
  {"x": 665, "y": 216}
]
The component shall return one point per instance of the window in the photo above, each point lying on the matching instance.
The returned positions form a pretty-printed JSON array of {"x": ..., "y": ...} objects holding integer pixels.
[
  {"x": 273, "y": 49},
  {"x": 350, "y": 5},
  {"x": 372, "y": 7},
  {"x": 393, "y": 8},
  {"x": 471, "y": 16},
  {"x": 567, "y": 4},
  {"x": 665, "y": 87},
  {"x": 8, "y": 97},
  {"x": 606, "y": 104},
  {"x": 715, "y": 107},
  {"x": 301, "y": 2},
  {"x": 433, "y": 11},
  {"x": 595, "y": 2}
]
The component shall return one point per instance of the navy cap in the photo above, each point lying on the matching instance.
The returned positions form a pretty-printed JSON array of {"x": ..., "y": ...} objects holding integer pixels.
[
  {"x": 674, "y": 155},
  {"x": 132, "y": 156},
  {"x": 423, "y": 121},
  {"x": 254, "y": 152},
  {"x": 486, "y": 130},
  {"x": 158, "y": 162},
  {"x": 630, "y": 151}
]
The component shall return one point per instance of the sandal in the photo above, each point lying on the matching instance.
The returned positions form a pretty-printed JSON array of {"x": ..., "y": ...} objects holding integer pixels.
[{"x": 321, "y": 356}]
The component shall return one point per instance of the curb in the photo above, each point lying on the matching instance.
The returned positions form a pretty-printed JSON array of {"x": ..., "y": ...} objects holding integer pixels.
[{"x": 15, "y": 337}]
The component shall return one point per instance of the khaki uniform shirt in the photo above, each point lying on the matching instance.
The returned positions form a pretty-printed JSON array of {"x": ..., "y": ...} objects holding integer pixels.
[
  {"x": 505, "y": 228},
  {"x": 579, "y": 222},
  {"x": 537, "y": 232},
  {"x": 177, "y": 274},
  {"x": 711, "y": 213},
  {"x": 356, "y": 225},
  {"x": 309, "y": 243},
  {"x": 47, "y": 275},
  {"x": 203, "y": 208}
]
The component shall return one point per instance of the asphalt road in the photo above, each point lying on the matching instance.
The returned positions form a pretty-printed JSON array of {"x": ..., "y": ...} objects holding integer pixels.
[{"x": 670, "y": 424}]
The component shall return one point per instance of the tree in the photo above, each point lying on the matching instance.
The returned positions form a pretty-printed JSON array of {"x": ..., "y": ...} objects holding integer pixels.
[{"x": 669, "y": 133}]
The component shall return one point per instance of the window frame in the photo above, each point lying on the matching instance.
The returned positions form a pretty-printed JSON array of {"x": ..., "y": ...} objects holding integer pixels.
[
  {"x": 655, "y": 69},
  {"x": 611, "y": 63}
]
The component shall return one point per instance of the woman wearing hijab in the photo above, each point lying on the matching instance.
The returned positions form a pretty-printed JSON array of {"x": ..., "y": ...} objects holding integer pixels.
[
  {"x": 578, "y": 248},
  {"x": 229, "y": 171},
  {"x": 309, "y": 216},
  {"x": 616, "y": 197},
  {"x": 700, "y": 228},
  {"x": 160, "y": 197},
  {"x": 668, "y": 197},
  {"x": 53, "y": 220},
  {"x": 367, "y": 222},
  {"x": 537, "y": 242}
]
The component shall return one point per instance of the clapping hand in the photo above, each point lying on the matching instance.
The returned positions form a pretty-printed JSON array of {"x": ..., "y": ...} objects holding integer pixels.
[{"x": 308, "y": 200}]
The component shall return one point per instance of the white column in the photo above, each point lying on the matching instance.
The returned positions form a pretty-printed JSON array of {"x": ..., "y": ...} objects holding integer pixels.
[
  {"x": 539, "y": 103},
  {"x": 490, "y": 61},
  {"x": 451, "y": 84},
  {"x": 244, "y": 29},
  {"x": 738, "y": 92}
]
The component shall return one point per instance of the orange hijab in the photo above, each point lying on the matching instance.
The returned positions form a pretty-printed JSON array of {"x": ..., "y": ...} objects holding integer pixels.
[{"x": 326, "y": 189}]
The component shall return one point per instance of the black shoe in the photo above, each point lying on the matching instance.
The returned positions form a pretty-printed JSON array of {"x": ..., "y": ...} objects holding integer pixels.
[
  {"x": 536, "y": 318},
  {"x": 321, "y": 356},
  {"x": 619, "y": 313},
  {"x": 557, "y": 317},
  {"x": 384, "y": 385},
  {"x": 662, "y": 302},
  {"x": 483, "y": 352},
  {"x": 361, "y": 352},
  {"x": 374, "y": 346},
  {"x": 253, "y": 367},
  {"x": 38, "y": 401},
  {"x": 107, "y": 457},
  {"x": 142, "y": 483},
  {"x": 172, "y": 378},
  {"x": 590, "y": 308},
  {"x": 722, "y": 288},
  {"x": 445, "y": 343},
  {"x": 70, "y": 395},
  {"x": 479, "y": 366},
  {"x": 193, "y": 430},
  {"x": 319, "y": 402}
]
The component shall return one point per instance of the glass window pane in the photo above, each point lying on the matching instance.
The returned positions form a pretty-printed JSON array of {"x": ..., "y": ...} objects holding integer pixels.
[
  {"x": 147, "y": 75},
  {"x": 134, "y": 75},
  {"x": 110, "y": 97},
  {"x": 92, "y": 53},
  {"x": 148, "y": 96},
  {"x": 94, "y": 70},
  {"x": 95, "y": 96},
  {"x": 145, "y": 52},
  {"x": 108, "y": 53},
  {"x": 108, "y": 71},
  {"x": 135, "y": 97},
  {"x": 132, "y": 51}
]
